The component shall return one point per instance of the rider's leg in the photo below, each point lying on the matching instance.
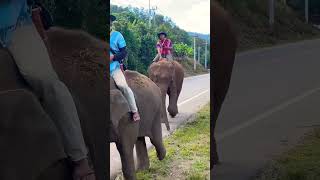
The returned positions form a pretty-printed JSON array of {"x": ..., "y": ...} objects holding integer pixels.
[
  {"x": 156, "y": 58},
  {"x": 169, "y": 57},
  {"x": 121, "y": 82},
  {"x": 32, "y": 59}
]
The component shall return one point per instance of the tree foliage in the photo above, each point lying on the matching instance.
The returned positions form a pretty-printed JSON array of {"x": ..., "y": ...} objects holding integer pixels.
[
  {"x": 183, "y": 50},
  {"x": 79, "y": 14},
  {"x": 141, "y": 37},
  {"x": 133, "y": 23}
]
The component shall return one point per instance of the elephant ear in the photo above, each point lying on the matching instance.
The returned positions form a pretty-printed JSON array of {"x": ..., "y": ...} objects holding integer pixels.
[{"x": 118, "y": 107}]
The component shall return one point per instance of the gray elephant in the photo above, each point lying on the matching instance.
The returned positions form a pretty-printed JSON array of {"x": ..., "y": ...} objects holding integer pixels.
[
  {"x": 125, "y": 132},
  {"x": 33, "y": 149},
  {"x": 79, "y": 62},
  {"x": 168, "y": 75},
  {"x": 224, "y": 50}
]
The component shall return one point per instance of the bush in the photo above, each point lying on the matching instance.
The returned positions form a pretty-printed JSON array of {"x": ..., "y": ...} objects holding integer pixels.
[{"x": 182, "y": 50}]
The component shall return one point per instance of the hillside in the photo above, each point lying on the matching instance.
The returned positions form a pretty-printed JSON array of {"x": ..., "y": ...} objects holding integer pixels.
[
  {"x": 201, "y": 36},
  {"x": 252, "y": 23}
]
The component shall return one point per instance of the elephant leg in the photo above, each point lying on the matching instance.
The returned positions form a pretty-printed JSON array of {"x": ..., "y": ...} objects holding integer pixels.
[
  {"x": 157, "y": 141},
  {"x": 214, "y": 155},
  {"x": 215, "y": 158},
  {"x": 126, "y": 154},
  {"x": 173, "y": 100},
  {"x": 142, "y": 154}
]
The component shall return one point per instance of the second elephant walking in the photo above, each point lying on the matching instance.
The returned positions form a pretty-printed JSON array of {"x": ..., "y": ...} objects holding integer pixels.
[{"x": 126, "y": 133}]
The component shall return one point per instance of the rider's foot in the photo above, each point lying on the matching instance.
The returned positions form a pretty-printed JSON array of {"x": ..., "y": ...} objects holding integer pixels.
[
  {"x": 136, "y": 116},
  {"x": 82, "y": 171}
]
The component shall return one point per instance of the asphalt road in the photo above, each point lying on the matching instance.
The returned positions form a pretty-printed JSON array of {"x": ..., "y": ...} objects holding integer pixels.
[
  {"x": 273, "y": 101},
  {"x": 195, "y": 94}
]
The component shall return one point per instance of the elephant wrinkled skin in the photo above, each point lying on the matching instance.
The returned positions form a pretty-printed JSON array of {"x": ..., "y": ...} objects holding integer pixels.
[
  {"x": 168, "y": 75},
  {"x": 126, "y": 132},
  {"x": 224, "y": 49}
]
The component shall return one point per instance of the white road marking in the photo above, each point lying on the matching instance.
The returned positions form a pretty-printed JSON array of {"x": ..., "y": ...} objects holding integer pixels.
[
  {"x": 190, "y": 99},
  {"x": 262, "y": 116}
]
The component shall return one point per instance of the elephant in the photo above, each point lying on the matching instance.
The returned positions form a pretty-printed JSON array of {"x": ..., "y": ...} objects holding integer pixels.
[
  {"x": 168, "y": 75},
  {"x": 79, "y": 61},
  {"x": 126, "y": 132},
  {"x": 224, "y": 49},
  {"x": 28, "y": 131}
]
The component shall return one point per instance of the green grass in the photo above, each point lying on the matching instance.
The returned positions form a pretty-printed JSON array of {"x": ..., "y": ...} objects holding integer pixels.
[
  {"x": 188, "y": 152},
  {"x": 300, "y": 163}
]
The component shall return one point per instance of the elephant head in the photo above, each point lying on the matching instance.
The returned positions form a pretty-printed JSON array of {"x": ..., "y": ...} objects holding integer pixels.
[{"x": 168, "y": 75}]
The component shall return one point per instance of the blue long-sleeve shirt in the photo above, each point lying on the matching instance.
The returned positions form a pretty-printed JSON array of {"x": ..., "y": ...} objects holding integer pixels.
[{"x": 13, "y": 13}]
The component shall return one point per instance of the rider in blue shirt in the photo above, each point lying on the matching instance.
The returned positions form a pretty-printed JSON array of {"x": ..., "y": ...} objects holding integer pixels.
[
  {"x": 12, "y": 15},
  {"x": 117, "y": 54},
  {"x": 21, "y": 38}
]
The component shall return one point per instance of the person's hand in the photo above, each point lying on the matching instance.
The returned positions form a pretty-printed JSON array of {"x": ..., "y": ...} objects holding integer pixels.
[{"x": 111, "y": 57}]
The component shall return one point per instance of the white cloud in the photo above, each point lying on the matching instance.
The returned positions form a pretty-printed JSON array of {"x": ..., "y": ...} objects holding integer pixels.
[{"x": 190, "y": 15}]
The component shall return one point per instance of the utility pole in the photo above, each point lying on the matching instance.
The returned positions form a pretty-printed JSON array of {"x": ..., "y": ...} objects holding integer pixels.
[
  {"x": 149, "y": 15},
  {"x": 306, "y": 11},
  {"x": 205, "y": 55},
  {"x": 271, "y": 13},
  {"x": 154, "y": 14},
  {"x": 199, "y": 54},
  {"x": 194, "y": 53}
]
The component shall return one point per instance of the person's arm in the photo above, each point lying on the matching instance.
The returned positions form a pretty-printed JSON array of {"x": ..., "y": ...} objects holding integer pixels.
[
  {"x": 121, "y": 43},
  {"x": 121, "y": 55},
  {"x": 159, "y": 48}
]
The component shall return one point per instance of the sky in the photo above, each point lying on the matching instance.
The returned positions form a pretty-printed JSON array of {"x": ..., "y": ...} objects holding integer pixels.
[{"x": 190, "y": 15}]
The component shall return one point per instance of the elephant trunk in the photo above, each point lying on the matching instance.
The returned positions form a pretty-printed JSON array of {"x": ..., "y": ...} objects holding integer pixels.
[
  {"x": 173, "y": 100},
  {"x": 173, "y": 109}
]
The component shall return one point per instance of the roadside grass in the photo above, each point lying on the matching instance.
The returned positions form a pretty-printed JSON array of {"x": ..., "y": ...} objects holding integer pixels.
[
  {"x": 299, "y": 163},
  {"x": 188, "y": 153}
]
